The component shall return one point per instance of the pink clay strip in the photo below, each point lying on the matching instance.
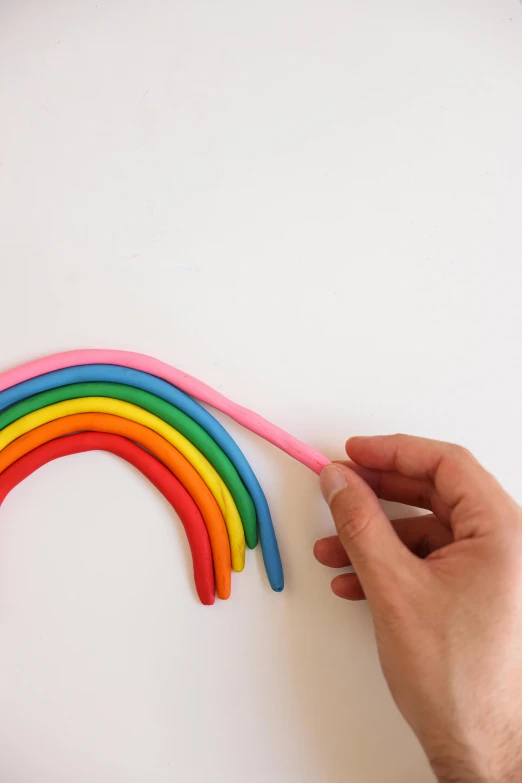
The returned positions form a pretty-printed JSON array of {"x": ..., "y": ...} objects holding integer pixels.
[{"x": 137, "y": 361}]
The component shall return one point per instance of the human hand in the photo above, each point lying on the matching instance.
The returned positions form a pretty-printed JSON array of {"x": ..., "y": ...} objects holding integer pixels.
[{"x": 445, "y": 592}]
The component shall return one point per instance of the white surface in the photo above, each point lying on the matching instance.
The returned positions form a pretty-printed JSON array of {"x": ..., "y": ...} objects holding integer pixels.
[{"x": 315, "y": 207}]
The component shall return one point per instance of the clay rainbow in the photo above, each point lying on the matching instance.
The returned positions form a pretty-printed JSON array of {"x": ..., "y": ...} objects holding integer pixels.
[{"x": 146, "y": 412}]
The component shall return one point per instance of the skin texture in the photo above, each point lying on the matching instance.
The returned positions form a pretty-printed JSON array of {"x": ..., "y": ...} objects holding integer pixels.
[
  {"x": 157, "y": 474},
  {"x": 159, "y": 448},
  {"x": 445, "y": 592}
]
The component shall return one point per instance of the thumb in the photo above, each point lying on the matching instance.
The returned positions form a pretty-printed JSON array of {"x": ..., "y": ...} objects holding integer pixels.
[{"x": 374, "y": 549}]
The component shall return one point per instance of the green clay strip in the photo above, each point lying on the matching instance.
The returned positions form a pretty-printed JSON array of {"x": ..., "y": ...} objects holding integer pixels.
[{"x": 164, "y": 410}]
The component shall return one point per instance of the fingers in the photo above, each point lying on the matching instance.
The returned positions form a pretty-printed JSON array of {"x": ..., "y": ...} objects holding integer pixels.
[
  {"x": 364, "y": 531},
  {"x": 417, "y": 458},
  {"x": 390, "y": 485},
  {"x": 347, "y": 586},
  {"x": 330, "y": 552},
  {"x": 458, "y": 479},
  {"x": 422, "y": 535}
]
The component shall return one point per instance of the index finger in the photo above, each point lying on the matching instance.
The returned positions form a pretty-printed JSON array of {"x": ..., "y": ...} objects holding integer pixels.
[{"x": 453, "y": 471}]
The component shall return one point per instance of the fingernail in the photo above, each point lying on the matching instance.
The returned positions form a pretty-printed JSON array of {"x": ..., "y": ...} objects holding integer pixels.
[{"x": 332, "y": 481}]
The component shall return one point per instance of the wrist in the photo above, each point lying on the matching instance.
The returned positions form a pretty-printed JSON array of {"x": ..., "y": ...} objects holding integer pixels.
[
  {"x": 453, "y": 770},
  {"x": 458, "y": 770}
]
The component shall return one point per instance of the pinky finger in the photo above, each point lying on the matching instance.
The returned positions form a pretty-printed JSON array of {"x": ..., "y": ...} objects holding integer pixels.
[{"x": 347, "y": 586}]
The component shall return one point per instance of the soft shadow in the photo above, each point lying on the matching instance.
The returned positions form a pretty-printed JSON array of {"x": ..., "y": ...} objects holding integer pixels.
[{"x": 340, "y": 693}]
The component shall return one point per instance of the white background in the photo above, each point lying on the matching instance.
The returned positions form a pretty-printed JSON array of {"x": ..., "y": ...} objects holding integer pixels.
[{"x": 314, "y": 207}]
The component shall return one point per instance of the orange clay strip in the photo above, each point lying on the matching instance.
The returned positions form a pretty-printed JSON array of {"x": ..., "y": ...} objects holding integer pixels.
[{"x": 162, "y": 450}]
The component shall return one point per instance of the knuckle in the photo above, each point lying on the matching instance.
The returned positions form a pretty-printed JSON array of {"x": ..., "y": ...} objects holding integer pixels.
[
  {"x": 351, "y": 522},
  {"x": 460, "y": 453}
]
